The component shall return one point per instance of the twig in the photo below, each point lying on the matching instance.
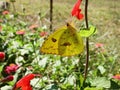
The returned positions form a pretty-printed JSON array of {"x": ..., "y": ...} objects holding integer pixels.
[
  {"x": 51, "y": 13},
  {"x": 87, "y": 40},
  {"x": 14, "y": 9}
]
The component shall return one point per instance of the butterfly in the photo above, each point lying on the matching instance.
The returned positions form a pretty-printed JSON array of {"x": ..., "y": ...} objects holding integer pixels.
[{"x": 65, "y": 41}]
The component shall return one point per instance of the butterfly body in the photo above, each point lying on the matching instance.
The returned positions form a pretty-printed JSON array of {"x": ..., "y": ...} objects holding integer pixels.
[{"x": 64, "y": 41}]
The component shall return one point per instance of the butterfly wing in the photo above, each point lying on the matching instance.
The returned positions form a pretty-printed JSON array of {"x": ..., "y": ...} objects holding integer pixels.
[
  {"x": 64, "y": 41},
  {"x": 70, "y": 43},
  {"x": 50, "y": 45}
]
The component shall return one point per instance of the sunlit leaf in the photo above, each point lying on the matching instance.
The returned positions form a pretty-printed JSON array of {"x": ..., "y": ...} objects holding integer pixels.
[
  {"x": 89, "y": 88},
  {"x": 102, "y": 69},
  {"x": 87, "y": 32},
  {"x": 100, "y": 82}
]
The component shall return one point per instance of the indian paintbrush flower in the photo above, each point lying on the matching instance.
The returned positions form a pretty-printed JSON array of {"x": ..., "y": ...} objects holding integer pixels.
[
  {"x": 76, "y": 11},
  {"x": 24, "y": 83}
]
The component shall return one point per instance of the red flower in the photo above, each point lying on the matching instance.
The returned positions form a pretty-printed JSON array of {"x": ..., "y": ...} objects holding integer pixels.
[
  {"x": 0, "y": 28},
  {"x": 76, "y": 11},
  {"x": 42, "y": 34},
  {"x": 11, "y": 68},
  {"x": 5, "y": 12},
  {"x": 24, "y": 83},
  {"x": 116, "y": 77},
  {"x": 20, "y": 32},
  {"x": 99, "y": 45},
  {"x": 2, "y": 56},
  {"x": 33, "y": 26},
  {"x": 1, "y": 20},
  {"x": 7, "y": 79}
]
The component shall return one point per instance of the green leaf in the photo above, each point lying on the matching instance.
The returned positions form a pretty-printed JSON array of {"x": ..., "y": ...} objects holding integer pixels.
[
  {"x": 81, "y": 80},
  {"x": 100, "y": 82},
  {"x": 114, "y": 85},
  {"x": 102, "y": 69},
  {"x": 6, "y": 87},
  {"x": 88, "y": 32},
  {"x": 53, "y": 87},
  {"x": 88, "y": 88}
]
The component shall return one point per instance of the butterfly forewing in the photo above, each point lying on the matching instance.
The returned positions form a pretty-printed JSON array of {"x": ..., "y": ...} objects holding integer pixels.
[{"x": 50, "y": 45}]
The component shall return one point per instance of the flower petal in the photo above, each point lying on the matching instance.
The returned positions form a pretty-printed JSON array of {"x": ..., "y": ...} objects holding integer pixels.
[
  {"x": 76, "y": 7},
  {"x": 24, "y": 83}
]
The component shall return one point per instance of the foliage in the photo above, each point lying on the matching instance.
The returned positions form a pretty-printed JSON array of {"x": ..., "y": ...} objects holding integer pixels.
[{"x": 57, "y": 72}]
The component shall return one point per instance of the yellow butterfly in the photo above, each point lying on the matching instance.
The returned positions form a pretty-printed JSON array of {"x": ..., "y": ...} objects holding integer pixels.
[{"x": 64, "y": 41}]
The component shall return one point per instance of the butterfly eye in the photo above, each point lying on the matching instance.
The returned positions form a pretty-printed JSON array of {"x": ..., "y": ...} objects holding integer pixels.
[{"x": 54, "y": 40}]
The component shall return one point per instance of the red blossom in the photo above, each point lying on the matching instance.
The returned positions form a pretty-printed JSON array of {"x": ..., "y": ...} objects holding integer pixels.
[
  {"x": 11, "y": 68},
  {"x": 20, "y": 32},
  {"x": 116, "y": 77},
  {"x": 1, "y": 20},
  {"x": 76, "y": 11},
  {"x": 24, "y": 83},
  {"x": 7, "y": 79},
  {"x": 5, "y": 12},
  {"x": 2, "y": 56},
  {"x": 43, "y": 33},
  {"x": 0, "y": 28},
  {"x": 99, "y": 45},
  {"x": 33, "y": 26}
]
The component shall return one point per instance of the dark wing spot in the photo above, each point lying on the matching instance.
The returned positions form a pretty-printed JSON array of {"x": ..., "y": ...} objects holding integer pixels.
[
  {"x": 66, "y": 44},
  {"x": 54, "y": 40},
  {"x": 51, "y": 47},
  {"x": 64, "y": 32}
]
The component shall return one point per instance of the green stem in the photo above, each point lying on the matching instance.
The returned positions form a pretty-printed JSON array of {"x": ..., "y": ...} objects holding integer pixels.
[
  {"x": 22, "y": 37},
  {"x": 33, "y": 47},
  {"x": 87, "y": 40},
  {"x": 14, "y": 7}
]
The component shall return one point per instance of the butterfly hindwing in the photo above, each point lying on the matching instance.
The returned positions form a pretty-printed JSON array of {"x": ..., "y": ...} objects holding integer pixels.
[{"x": 70, "y": 42}]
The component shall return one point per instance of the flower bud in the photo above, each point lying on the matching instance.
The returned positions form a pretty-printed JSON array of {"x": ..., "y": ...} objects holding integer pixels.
[
  {"x": 2, "y": 56},
  {"x": 7, "y": 79}
]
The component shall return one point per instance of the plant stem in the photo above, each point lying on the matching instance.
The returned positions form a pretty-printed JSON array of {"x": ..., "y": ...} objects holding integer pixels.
[
  {"x": 51, "y": 13},
  {"x": 87, "y": 40},
  {"x": 22, "y": 37},
  {"x": 14, "y": 7}
]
